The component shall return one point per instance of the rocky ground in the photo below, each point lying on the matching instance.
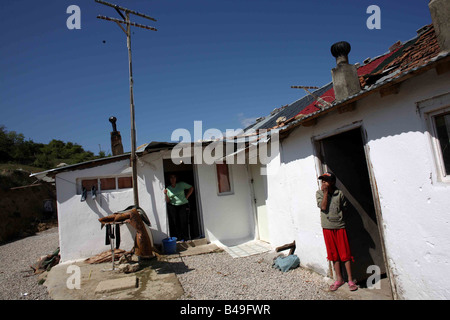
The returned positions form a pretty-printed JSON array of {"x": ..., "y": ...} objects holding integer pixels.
[
  {"x": 17, "y": 280},
  {"x": 214, "y": 276},
  {"x": 218, "y": 276}
]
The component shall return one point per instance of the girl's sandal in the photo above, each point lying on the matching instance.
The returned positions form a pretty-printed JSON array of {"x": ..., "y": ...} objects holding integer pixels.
[
  {"x": 352, "y": 286},
  {"x": 336, "y": 285}
]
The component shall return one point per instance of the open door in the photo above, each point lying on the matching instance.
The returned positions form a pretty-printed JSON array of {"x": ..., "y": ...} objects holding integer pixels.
[
  {"x": 344, "y": 155},
  {"x": 185, "y": 173}
]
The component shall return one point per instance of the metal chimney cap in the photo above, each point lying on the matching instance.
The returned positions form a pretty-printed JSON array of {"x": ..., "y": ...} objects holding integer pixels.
[
  {"x": 113, "y": 122},
  {"x": 341, "y": 48}
]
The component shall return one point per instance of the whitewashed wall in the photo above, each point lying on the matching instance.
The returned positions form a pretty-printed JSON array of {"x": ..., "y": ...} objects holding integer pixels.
[
  {"x": 227, "y": 218},
  {"x": 79, "y": 228},
  {"x": 415, "y": 207}
]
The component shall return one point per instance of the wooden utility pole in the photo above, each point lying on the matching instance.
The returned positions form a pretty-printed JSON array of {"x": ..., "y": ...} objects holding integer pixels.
[{"x": 125, "y": 14}]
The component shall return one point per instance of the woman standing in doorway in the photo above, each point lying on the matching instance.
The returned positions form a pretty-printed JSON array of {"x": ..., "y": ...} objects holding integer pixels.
[{"x": 177, "y": 204}]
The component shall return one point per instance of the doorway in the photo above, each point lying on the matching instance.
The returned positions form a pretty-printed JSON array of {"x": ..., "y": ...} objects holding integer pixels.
[
  {"x": 344, "y": 155},
  {"x": 185, "y": 172}
]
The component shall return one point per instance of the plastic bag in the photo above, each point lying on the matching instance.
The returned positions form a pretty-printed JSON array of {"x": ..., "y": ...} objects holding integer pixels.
[{"x": 286, "y": 263}]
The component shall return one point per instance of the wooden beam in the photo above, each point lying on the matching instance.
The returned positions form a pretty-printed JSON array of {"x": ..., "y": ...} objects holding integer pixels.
[
  {"x": 309, "y": 123},
  {"x": 392, "y": 89},
  {"x": 347, "y": 108},
  {"x": 28, "y": 186},
  {"x": 291, "y": 246},
  {"x": 443, "y": 67}
]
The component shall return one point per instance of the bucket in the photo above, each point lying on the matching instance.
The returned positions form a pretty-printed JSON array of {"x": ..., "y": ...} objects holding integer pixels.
[{"x": 170, "y": 245}]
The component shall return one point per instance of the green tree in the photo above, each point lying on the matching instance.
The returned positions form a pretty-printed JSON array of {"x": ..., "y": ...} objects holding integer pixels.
[{"x": 15, "y": 149}]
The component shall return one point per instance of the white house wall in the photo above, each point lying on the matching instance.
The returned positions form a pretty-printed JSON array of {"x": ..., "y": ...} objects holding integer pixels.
[
  {"x": 414, "y": 206},
  {"x": 227, "y": 218},
  {"x": 79, "y": 228}
]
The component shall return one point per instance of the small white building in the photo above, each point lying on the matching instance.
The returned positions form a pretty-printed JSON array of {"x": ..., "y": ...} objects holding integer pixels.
[{"x": 218, "y": 215}]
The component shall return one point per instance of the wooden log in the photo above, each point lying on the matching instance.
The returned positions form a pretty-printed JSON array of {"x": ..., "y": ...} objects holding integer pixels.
[
  {"x": 116, "y": 217},
  {"x": 105, "y": 256},
  {"x": 291, "y": 246},
  {"x": 142, "y": 243}
]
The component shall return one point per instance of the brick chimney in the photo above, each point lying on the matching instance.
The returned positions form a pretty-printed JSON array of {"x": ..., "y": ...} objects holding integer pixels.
[
  {"x": 345, "y": 77},
  {"x": 116, "y": 139},
  {"x": 440, "y": 14}
]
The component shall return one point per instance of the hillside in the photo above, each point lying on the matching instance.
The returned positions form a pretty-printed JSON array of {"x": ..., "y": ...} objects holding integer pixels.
[
  {"x": 24, "y": 201},
  {"x": 22, "y": 204}
]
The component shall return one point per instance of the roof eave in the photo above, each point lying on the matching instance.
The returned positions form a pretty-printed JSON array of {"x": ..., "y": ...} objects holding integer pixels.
[{"x": 82, "y": 165}]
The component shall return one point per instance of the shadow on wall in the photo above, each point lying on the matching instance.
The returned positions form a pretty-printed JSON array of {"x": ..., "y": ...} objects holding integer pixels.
[
  {"x": 102, "y": 201},
  {"x": 69, "y": 187},
  {"x": 157, "y": 232}
]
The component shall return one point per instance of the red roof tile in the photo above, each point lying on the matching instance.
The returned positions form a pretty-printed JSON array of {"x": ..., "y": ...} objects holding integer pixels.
[
  {"x": 329, "y": 96},
  {"x": 422, "y": 50}
]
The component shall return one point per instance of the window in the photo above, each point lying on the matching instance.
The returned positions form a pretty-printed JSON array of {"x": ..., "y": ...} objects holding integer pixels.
[
  {"x": 436, "y": 115},
  {"x": 89, "y": 183},
  {"x": 108, "y": 184},
  {"x": 105, "y": 183},
  {"x": 125, "y": 182},
  {"x": 223, "y": 178},
  {"x": 442, "y": 127}
]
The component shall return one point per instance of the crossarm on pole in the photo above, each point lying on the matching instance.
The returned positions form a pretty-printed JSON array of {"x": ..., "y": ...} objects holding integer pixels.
[
  {"x": 125, "y": 9},
  {"x": 124, "y": 22}
]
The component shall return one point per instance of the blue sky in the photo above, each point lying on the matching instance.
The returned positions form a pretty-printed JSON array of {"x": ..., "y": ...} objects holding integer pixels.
[{"x": 223, "y": 62}]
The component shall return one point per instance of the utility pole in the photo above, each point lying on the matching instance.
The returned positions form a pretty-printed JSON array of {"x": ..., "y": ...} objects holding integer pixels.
[{"x": 125, "y": 14}]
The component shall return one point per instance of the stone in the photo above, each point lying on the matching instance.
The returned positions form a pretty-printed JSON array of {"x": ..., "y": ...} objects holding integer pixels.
[
  {"x": 129, "y": 267},
  {"x": 117, "y": 284}
]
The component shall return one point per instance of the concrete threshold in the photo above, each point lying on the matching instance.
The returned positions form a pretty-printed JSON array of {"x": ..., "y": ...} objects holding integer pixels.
[
  {"x": 192, "y": 247},
  {"x": 383, "y": 292}
]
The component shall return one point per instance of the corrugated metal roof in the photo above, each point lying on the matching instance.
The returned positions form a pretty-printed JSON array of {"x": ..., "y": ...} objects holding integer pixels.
[
  {"x": 153, "y": 146},
  {"x": 86, "y": 164},
  {"x": 289, "y": 111}
]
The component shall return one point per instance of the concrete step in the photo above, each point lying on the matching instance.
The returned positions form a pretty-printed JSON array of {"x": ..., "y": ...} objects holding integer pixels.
[
  {"x": 191, "y": 243},
  {"x": 119, "y": 284}
]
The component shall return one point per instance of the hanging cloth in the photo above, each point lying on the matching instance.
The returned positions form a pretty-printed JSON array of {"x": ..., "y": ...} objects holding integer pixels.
[
  {"x": 109, "y": 234},
  {"x": 117, "y": 236}
]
